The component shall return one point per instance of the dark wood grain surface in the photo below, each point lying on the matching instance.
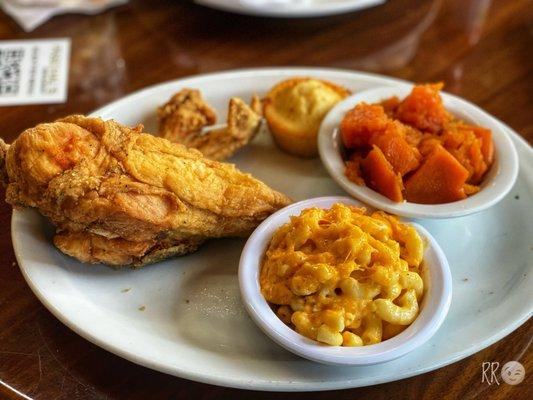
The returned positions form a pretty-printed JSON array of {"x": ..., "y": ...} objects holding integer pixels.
[{"x": 481, "y": 49}]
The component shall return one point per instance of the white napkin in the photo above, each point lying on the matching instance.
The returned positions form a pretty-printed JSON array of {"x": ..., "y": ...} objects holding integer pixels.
[{"x": 29, "y": 14}]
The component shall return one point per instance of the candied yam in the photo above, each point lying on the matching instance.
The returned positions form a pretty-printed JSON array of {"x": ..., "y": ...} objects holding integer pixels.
[
  {"x": 361, "y": 123},
  {"x": 353, "y": 170},
  {"x": 423, "y": 108},
  {"x": 463, "y": 158},
  {"x": 487, "y": 145},
  {"x": 471, "y": 189},
  {"x": 428, "y": 143},
  {"x": 479, "y": 167},
  {"x": 412, "y": 136},
  {"x": 415, "y": 148},
  {"x": 468, "y": 153},
  {"x": 403, "y": 157},
  {"x": 380, "y": 176},
  {"x": 440, "y": 179},
  {"x": 390, "y": 105},
  {"x": 452, "y": 138}
]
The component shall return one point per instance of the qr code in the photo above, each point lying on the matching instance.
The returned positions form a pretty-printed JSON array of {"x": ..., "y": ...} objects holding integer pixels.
[{"x": 10, "y": 60}]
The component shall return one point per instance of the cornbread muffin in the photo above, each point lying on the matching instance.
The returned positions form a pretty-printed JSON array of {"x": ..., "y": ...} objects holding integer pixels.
[{"x": 294, "y": 109}]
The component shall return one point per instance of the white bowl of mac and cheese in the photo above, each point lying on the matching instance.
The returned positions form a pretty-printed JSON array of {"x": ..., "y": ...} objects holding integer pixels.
[{"x": 338, "y": 284}]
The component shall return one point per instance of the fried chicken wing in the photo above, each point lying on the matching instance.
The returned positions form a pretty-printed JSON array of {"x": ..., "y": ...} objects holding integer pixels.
[
  {"x": 123, "y": 197},
  {"x": 183, "y": 118},
  {"x": 184, "y": 115}
]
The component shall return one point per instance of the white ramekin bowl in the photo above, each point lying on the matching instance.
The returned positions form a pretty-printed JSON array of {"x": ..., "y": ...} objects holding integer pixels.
[
  {"x": 434, "y": 307},
  {"x": 496, "y": 184}
]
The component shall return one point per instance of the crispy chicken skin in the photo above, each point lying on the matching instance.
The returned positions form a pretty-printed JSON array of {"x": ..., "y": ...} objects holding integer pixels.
[
  {"x": 3, "y": 172},
  {"x": 123, "y": 197},
  {"x": 183, "y": 117}
]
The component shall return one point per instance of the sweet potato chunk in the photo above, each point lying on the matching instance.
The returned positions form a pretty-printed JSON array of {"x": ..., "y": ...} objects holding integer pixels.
[
  {"x": 390, "y": 105},
  {"x": 415, "y": 148},
  {"x": 380, "y": 175},
  {"x": 428, "y": 143},
  {"x": 423, "y": 109},
  {"x": 479, "y": 167},
  {"x": 475, "y": 150},
  {"x": 453, "y": 138},
  {"x": 361, "y": 123},
  {"x": 440, "y": 179},
  {"x": 487, "y": 145},
  {"x": 353, "y": 170},
  {"x": 403, "y": 157},
  {"x": 412, "y": 135},
  {"x": 471, "y": 189},
  {"x": 467, "y": 151}
]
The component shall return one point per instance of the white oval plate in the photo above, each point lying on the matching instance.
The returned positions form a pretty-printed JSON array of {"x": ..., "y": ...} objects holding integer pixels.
[
  {"x": 194, "y": 325},
  {"x": 294, "y": 9}
]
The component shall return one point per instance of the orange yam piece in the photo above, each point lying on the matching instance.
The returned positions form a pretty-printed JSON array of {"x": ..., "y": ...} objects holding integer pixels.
[
  {"x": 423, "y": 109},
  {"x": 440, "y": 179},
  {"x": 380, "y": 175},
  {"x": 428, "y": 144},
  {"x": 412, "y": 135},
  {"x": 487, "y": 145},
  {"x": 463, "y": 144},
  {"x": 471, "y": 189},
  {"x": 477, "y": 162},
  {"x": 353, "y": 172},
  {"x": 453, "y": 138},
  {"x": 403, "y": 157},
  {"x": 416, "y": 149},
  {"x": 390, "y": 105},
  {"x": 361, "y": 123}
]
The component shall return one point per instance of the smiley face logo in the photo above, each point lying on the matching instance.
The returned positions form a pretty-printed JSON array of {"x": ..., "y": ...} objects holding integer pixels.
[{"x": 513, "y": 372}]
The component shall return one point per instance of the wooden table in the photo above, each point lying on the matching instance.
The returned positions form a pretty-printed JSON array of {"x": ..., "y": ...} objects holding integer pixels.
[{"x": 480, "y": 49}]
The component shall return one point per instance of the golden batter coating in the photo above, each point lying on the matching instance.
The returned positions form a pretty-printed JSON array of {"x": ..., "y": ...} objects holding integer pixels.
[
  {"x": 123, "y": 197},
  {"x": 183, "y": 117}
]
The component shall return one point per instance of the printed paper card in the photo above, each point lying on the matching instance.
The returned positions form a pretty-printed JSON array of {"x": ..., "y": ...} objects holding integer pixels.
[{"x": 34, "y": 71}]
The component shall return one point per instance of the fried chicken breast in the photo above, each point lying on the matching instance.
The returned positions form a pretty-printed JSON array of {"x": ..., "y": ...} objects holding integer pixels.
[{"x": 122, "y": 197}]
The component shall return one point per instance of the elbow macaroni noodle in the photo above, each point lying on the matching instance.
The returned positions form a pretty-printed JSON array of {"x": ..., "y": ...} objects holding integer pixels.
[{"x": 341, "y": 277}]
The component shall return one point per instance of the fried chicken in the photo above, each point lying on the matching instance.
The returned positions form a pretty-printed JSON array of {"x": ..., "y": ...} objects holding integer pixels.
[
  {"x": 184, "y": 115},
  {"x": 183, "y": 118},
  {"x": 122, "y": 197}
]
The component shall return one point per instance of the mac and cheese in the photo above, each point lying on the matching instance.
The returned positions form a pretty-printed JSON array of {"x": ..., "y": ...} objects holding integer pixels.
[{"x": 341, "y": 277}]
